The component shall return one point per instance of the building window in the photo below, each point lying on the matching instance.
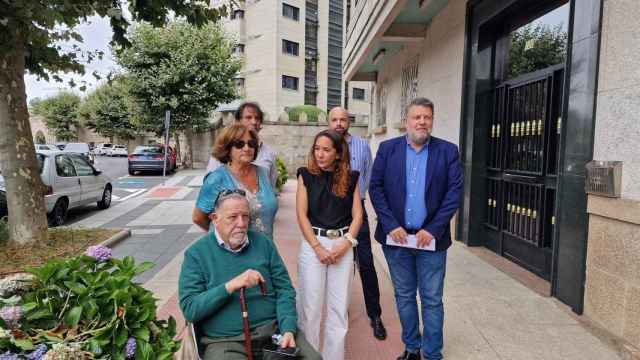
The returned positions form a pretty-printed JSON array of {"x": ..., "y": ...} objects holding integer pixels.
[
  {"x": 290, "y": 47},
  {"x": 290, "y": 12},
  {"x": 239, "y": 49},
  {"x": 237, "y": 14},
  {"x": 409, "y": 87},
  {"x": 358, "y": 94},
  {"x": 289, "y": 82}
]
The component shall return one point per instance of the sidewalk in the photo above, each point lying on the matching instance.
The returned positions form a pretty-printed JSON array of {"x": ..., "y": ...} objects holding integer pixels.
[{"x": 488, "y": 315}]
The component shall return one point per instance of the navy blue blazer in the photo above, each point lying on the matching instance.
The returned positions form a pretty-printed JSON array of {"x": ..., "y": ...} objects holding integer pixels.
[{"x": 387, "y": 189}]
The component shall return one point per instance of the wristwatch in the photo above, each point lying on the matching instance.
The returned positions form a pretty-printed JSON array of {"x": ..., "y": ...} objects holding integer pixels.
[{"x": 351, "y": 239}]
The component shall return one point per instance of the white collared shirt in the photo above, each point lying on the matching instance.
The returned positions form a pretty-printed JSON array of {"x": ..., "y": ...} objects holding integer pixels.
[{"x": 224, "y": 244}]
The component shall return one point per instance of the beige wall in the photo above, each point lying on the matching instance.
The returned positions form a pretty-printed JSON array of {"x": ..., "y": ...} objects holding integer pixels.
[
  {"x": 612, "y": 295},
  {"x": 612, "y": 291},
  {"x": 440, "y": 68},
  {"x": 361, "y": 108},
  {"x": 617, "y": 133},
  {"x": 288, "y": 64}
]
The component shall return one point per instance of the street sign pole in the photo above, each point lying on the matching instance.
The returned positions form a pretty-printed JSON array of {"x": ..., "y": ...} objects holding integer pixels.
[{"x": 167, "y": 123}]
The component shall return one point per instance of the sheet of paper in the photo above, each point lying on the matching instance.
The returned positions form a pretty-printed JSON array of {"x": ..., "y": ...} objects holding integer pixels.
[{"x": 412, "y": 243}]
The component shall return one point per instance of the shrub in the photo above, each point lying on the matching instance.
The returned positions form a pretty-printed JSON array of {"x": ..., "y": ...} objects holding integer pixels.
[
  {"x": 311, "y": 111},
  {"x": 283, "y": 174},
  {"x": 82, "y": 308}
]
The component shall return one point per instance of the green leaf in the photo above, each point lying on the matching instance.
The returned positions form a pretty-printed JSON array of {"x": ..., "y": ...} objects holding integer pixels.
[
  {"x": 77, "y": 288},
  {"x": 73, "y": 317},
  {"x": 94, "y": 347},
  {"x": 142, "y": 334},
  {"x": 24, "y": 344},
  {"x": 29, "y": 307},
  {"x": 144, "y": 351},
  {"x": 143, "y": 267},
  {"x": 39, "y": 314},
  {"x": 121, "y": 337},
  {"x": 90, "y": 309}
]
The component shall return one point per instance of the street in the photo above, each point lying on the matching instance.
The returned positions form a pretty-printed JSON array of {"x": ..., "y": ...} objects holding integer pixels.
[{"x": 125, "y": 187}]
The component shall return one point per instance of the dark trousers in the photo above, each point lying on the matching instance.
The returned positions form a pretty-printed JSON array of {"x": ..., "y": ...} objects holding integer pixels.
[{"x": 364, "y": 259}]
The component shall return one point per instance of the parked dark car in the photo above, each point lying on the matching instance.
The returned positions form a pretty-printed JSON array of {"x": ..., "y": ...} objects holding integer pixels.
[{"x": 151, "y": 158}]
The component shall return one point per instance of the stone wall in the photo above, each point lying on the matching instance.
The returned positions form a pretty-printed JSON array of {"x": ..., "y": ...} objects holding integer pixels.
[
  {"x": 292, "y": 141},
  {"x": 612, "y": 293}
]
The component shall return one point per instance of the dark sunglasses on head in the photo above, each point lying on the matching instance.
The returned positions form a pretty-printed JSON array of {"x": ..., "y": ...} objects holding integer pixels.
[
  {"x": 227, "y": 192},
  {"x": 239, "y": 144}
]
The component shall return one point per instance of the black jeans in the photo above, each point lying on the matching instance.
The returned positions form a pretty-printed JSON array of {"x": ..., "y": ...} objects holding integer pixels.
[{"x": 364, "y": 259}]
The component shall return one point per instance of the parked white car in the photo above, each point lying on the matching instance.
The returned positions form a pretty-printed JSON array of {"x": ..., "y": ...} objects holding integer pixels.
[
  {"x": 118, "y": 150},
  {"x": 82, "y": 149},
  {"x": 46, "y": 147},
  {"x": 71, "y": 181},
  {"x": 101, "y": 149}
]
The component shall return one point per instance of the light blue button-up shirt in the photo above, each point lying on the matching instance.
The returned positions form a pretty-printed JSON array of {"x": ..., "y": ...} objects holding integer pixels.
[{"x": 415, "y": 211}]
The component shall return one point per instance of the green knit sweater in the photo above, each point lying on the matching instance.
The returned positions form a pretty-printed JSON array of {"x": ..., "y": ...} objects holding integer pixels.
[{"x": 205, "y": 301}]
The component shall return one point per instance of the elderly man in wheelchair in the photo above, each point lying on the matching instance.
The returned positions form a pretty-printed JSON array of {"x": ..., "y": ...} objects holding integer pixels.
[{"x": 219, "y": 292}]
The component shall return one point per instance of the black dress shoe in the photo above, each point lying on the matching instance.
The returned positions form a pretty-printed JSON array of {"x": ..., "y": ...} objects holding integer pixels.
[
  {"x": 409, "y": 356},
  {"x": 379, "y": 332}
]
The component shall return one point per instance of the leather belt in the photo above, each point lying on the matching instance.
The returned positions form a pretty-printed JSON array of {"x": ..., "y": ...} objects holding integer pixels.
[{"x": 330, "y": 233}]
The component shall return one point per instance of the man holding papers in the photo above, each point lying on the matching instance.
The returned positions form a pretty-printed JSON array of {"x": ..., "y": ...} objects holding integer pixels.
[{"x": 416, "y": 188}]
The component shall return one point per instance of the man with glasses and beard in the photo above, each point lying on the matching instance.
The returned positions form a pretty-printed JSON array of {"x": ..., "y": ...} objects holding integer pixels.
[
  {"x": 416, "y": 188},
  {"x": 216, "y": 267}
]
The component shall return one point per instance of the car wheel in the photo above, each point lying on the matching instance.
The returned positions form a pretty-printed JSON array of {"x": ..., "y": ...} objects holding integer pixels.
[
  {"x": 106, "y": 199},
  {"x": 59, "y": 213}
]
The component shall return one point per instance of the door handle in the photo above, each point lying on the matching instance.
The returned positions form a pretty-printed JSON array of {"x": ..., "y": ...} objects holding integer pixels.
[{"x": 79, "y": 183}]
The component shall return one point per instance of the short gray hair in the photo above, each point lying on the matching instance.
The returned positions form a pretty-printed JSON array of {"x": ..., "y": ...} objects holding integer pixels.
[
  {"x": 223, "y": 198},
  {"x": 421, "y": 101}
]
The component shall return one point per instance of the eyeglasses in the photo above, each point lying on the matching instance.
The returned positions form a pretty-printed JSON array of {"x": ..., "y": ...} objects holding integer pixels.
[
  {"x": 239, "y": 144},
  {"x": 228, "y": 192}
]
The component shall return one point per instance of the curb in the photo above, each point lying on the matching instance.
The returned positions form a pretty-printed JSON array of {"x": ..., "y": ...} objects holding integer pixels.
[{"x": 117, "y": 238}]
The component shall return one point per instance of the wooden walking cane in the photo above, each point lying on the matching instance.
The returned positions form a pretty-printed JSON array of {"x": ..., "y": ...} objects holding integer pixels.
[{"x": 245, "y": 319}]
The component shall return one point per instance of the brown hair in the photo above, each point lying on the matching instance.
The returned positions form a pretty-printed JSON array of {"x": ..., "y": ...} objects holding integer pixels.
[
  {"x": 342, "y": 171},
  {"x": 222, "y": 147}
]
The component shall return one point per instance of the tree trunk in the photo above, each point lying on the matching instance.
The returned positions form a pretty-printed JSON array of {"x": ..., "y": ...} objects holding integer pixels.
[
  {"x": 25, "y": 198},
  {"x": 188, "y": 157},
  {"x": 178, "y": 150}
]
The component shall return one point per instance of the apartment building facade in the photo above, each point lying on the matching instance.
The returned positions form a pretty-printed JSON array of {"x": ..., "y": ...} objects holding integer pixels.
[
  {"x": 292, "y": 54},
  {"x": 531, "y": 91}
]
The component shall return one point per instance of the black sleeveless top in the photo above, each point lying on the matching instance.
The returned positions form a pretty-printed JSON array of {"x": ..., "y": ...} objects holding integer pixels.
[{"x": 325, "y": 209}]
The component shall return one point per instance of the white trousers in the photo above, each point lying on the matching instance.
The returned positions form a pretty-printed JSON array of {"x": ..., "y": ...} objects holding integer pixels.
[{"x": 317, "y": 282}]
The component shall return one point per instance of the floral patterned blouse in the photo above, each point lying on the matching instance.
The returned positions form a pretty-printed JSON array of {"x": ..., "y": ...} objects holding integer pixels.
[{"x": 263, "y": 203}]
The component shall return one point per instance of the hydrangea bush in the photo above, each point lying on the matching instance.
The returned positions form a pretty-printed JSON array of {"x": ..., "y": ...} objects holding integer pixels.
[{"x": 86, "y": 307}]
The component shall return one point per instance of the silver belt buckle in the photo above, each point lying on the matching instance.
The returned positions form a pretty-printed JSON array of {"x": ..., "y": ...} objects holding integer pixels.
[{"x": 332, "y": 233}]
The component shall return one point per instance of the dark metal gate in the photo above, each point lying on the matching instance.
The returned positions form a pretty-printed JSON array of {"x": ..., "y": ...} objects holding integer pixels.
[{"x": 522, "y": 167}]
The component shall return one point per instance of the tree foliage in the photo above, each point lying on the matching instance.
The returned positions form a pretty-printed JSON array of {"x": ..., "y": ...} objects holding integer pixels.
[
  {"x": 535, "y": 47},
  {"x": 109, "y": 111},
  {"x": 60, "y": 113},
  {"x": 181, "y": 68},
  {"x": 30, "y": 37}
]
